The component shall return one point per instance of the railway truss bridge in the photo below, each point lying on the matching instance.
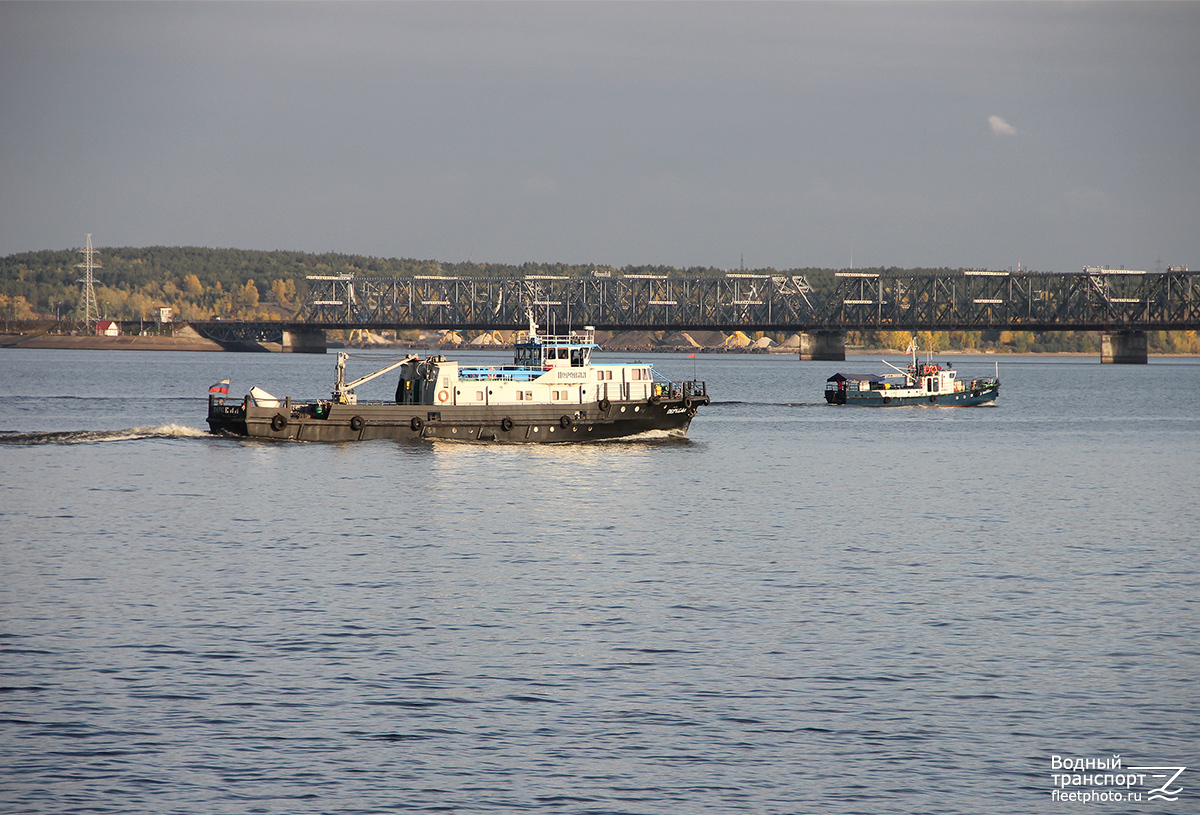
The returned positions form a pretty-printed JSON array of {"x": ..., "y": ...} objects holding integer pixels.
[{"x": 1122, "y": 305}]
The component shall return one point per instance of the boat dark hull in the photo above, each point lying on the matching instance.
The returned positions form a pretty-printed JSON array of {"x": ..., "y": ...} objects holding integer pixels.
[
  {"x": 543, "y": 424},
  {"x": 883, "y": 398}
]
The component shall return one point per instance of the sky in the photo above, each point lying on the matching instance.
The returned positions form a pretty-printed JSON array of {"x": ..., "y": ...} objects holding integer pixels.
[{"x": 1041, "y": 135}]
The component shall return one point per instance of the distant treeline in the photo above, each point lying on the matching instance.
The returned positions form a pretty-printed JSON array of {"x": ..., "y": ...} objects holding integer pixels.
[{"x": 199, "y": 283}]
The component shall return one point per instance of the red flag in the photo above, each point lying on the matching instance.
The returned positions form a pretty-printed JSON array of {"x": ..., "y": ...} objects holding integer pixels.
[{"x": 691, "y": 355}]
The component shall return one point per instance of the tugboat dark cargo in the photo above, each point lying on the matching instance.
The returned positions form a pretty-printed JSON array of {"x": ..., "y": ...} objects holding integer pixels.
[
  {"x": 925, "y": 383},
  {"x": 552, "y": 393}
]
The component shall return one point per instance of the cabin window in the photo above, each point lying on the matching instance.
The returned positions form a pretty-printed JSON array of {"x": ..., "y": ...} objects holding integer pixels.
[{"x": 478, "y": 396}]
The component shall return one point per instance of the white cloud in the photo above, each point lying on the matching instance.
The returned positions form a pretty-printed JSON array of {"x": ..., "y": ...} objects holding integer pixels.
[{"x": 1001, "y": 127}]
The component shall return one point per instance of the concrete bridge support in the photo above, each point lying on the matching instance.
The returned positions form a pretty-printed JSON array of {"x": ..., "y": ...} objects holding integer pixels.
[
  {"x": 1123, "y": 347},
  {"x": 303, "y": 341},
  {"x": 823, "y": 345}
]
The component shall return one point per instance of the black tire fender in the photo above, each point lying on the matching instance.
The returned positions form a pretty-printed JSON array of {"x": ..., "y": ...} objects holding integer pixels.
[
  {"x": 564, "y": 421},
  {"x": 506, "y": 424},
  {"x": 416, "y": 424},
  {"x": 604, "y": 404},
  {"x": 356, "y": 423},
  {"x": 279, "y": 422}
]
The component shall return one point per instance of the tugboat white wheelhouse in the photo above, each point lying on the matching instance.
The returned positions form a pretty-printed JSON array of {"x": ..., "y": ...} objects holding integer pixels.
[{"x": 552, "y": 393}]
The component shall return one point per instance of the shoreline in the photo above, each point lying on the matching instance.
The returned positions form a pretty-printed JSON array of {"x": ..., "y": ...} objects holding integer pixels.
[{"x": 89, "y": 343}]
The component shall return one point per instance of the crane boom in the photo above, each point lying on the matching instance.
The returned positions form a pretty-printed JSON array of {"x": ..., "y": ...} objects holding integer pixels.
[{"x": 343, "y": 391}]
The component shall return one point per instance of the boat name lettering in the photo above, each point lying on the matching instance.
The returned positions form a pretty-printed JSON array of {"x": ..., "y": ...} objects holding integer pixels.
[{"x": 572, "y": 374}]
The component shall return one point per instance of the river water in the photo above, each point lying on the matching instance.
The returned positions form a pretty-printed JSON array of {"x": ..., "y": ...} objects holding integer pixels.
[{"x": 800, "y": 608}]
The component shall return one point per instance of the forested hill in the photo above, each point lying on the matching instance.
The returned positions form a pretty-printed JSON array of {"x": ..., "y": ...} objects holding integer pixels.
[{"x": 232, "y": 283}]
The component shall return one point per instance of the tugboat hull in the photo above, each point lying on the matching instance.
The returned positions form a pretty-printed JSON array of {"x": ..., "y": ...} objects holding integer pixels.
[
  {"x": 540, "y": 424},
  {"x": 968, "y": 398}
]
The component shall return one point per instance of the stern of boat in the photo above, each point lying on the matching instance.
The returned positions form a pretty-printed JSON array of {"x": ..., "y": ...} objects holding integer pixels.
[{"x": 225, "y": 417}]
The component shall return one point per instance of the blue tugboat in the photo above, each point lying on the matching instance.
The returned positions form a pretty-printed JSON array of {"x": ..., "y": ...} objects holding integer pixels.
[{"x": 923, "y": 383}]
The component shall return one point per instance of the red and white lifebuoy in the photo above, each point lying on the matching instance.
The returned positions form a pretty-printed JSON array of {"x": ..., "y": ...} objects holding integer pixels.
[{"x": 443, "y": 395}]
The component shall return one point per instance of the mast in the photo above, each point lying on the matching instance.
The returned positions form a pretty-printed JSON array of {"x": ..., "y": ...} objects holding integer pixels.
[{"x": 91, "y": 312}]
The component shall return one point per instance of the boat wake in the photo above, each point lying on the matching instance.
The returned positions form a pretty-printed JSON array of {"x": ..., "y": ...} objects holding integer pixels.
[
  {"x": 649, "y": 436},
  {"x": 167, "y": 431},
  {"x": 736, "y": 403}
]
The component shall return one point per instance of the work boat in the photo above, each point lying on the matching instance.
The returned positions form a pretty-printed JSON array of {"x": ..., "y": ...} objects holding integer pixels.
[
  {"x": 551, "y": 393},
  {"x": 923, "y": 383}
]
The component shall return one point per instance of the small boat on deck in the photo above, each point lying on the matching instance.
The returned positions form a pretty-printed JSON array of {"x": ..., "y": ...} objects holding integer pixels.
[
  {"x": 552, "y": 393},
  {"x": 922, "y": 383}
]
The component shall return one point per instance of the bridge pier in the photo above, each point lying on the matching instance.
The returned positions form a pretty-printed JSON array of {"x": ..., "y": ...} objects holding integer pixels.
[
  {"x": 823, "y": 345},
  {"x": 303, "y": 341},
  {"x": 1123, "y": 347}
]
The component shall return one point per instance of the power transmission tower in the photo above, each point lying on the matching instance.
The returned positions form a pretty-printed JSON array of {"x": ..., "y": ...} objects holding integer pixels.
[{"x": 91, "y": 312}]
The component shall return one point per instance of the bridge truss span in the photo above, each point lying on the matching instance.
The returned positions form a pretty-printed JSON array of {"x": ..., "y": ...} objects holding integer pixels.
[
  {"x": 1096, "y": 299},
  {"x": 626, "y": 302},
  {"x": 976, "y": 300}
]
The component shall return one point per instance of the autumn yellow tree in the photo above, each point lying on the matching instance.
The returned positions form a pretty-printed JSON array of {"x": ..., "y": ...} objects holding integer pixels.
[
  {"x": 15, "y": 308},
  {"x": 246, "y": 297},
  {"x": 192, "y": 289},
  {"x": 283, "y": 292}
]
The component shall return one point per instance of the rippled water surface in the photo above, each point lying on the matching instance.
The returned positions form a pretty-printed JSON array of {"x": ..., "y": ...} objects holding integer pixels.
[{"x": 800, "y": 608}]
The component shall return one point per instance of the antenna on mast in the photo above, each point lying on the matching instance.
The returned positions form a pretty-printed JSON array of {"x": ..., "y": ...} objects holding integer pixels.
[{"x": 91, "y": 312}]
